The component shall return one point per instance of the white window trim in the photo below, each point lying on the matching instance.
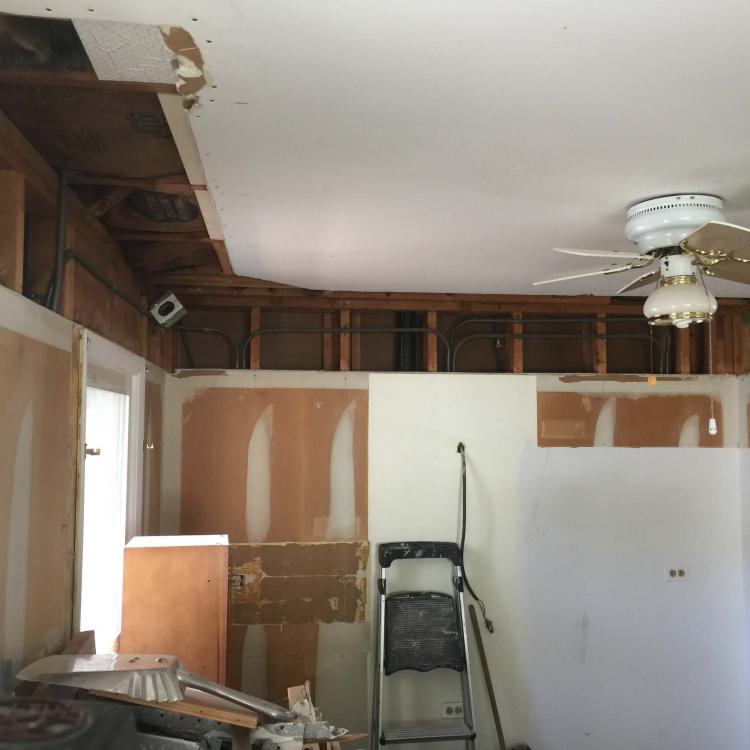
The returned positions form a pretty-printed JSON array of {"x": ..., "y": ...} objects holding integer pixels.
[{"x": 98, "y": 351}]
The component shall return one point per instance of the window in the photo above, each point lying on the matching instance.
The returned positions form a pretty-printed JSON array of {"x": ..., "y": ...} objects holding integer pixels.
[{"x": 110, "y": 493}]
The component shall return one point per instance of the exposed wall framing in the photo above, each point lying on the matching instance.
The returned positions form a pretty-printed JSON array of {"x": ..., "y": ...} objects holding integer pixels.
[
  {"x": 99, "y": 288},
  {"x": 526, "y": 333}
]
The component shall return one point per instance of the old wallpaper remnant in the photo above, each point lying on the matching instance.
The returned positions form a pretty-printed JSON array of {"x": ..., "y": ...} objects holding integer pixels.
[
  {"x": 275, "y": 584},
  {"x": 575, "y": 420},
  {"x": 275, "y": 465},
  {"x": 37, "y": 491}
]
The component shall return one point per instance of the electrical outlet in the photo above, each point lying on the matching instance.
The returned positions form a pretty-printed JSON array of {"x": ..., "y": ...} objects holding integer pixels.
[
  {"x": 452, "y": 710},
  {"x": 676, "y": 574}
]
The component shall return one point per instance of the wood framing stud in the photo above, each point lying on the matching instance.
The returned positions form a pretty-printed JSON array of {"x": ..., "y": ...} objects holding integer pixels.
[
  {"x": 159, "y": 184},
  {"x": 430, "y": 343},
  {"x": 68, "y": 294},
  {"x": 356, "y": 342},
  {"x": 125, "y": 236},
  {"x": 600, "y": 345},
  {"x": 517, "y": 344},
  {"x": 682, "y": 337},
  {"x": 222, "y": 256},
  {"x": 345, "y": 342},
  {"x": 328, "y": 342},
  {"x": 741, "y": 334},
  {"x": 254, "y": 363},
  {"x": 12, "y": 210}
]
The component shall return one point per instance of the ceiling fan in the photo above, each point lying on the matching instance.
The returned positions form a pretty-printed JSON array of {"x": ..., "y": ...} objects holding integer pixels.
[{"x": 689, "y": 238}]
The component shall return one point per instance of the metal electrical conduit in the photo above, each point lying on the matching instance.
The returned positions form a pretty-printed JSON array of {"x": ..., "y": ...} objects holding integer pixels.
[
  {"x": 523, "y": 321},
  {"x": 86, "y": 264},
  {"x": 498, "y": 335},
  {"x": 82, "y": 261},
  {"x": 433, "y": 331},
  {"x": 205, "y": 329},
  {"x": 53, "y": 294}
]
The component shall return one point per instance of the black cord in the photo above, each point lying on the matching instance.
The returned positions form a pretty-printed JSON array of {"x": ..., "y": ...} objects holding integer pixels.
[{"x": 487, "y": 622}]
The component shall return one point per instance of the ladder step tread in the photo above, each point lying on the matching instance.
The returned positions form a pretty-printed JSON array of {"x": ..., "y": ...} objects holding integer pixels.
[{"x": 433, "y": 732}]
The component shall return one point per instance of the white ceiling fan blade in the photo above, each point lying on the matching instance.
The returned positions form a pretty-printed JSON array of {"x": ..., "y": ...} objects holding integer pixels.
[
  {"x": 720, "y": 239},
  {"x": 643, "y": 280},
  {"x": 584, "y": 273},
  {"x": 622, "y": 255}
]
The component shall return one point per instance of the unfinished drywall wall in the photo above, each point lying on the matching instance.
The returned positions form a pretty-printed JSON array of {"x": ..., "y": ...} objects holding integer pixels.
[
  {"x": 284, "y": 464},
  {"x": 278, "y": 460},
  {"x": 38, "y": 414},
  {"x": 636, "y": 411},
  {"x": 593, "y": 646}
]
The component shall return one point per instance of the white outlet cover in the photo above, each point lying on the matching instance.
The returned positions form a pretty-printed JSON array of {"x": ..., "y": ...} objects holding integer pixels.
[{"x": 675, "y": 573}]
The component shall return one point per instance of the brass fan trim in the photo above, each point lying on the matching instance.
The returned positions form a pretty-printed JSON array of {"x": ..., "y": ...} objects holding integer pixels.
[
  {"x": 663, "y": 320},
  {"x": 688, "y": 278}
]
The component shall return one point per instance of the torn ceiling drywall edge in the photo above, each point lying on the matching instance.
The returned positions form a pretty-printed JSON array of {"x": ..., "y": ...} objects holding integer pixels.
[
  {"x": 174, "y": 111},
  {"x": 210, "y": 214},
  {"x": 19, "y": 314},
  {"x": 187, "y": 60}
]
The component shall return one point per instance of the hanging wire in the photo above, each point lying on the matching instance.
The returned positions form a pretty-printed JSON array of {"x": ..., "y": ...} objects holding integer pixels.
[
  {"x": 651, "y": 349},
  {"x": 712, "y": 429}
]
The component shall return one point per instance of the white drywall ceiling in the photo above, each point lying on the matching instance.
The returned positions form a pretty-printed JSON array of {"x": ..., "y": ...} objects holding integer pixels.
[{"x": 445, "y": 145}]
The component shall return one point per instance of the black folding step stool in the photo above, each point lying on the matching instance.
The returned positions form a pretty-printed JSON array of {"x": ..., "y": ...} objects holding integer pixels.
[{"x": 422, "y": 631}]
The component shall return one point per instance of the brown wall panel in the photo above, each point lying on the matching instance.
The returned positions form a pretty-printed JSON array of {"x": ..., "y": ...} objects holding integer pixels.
[
  {"x": 217, "y": 427},
  {"x": 37, "y": 490},
  {"x": 569, "y": 419}
]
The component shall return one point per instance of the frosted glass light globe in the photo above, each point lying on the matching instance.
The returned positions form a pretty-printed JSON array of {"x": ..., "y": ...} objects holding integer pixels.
[{"x": 681, "y": 298}]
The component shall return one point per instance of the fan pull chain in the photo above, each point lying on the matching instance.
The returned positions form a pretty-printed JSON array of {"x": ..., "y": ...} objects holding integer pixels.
[{"x": 712, "y": 427}]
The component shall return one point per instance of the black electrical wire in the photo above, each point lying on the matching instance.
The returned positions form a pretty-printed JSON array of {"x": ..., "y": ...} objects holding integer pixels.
[{"x": 487, "y": 622}]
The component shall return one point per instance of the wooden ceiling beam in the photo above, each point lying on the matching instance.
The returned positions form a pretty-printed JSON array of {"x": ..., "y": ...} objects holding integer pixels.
[
  {"x": 277, "y": 299},
  {"x": 156, "y": 184},
  {"x": 79, "y": 79},
  {"x": 125, "y": 236}
]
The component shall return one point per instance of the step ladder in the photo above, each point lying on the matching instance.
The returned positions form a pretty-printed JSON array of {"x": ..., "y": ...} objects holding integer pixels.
[{"x": 421, "y": 631}]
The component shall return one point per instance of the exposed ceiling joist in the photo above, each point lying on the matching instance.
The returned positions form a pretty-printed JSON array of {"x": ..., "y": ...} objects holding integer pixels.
[{"x": 163, "y": 185}]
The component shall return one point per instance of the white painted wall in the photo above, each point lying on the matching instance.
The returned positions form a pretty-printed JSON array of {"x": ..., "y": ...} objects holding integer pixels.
[{"x": 593, "y": 647}]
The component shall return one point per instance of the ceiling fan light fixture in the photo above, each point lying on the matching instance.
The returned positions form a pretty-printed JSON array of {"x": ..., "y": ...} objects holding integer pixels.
[{"x": 679, "y": 300}]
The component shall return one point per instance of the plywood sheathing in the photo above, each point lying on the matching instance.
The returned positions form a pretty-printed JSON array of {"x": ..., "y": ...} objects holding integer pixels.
[
  {"x": 122, "y": 134},
  {"x": 298, "y": 583},
  {"x": 37, "y": 490},
  {"x": 291, "y": 658},
  {"x": 96, "y": 308},
  {"x": 577, "y": 419},
  {"x": 299, "y": 426}
]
